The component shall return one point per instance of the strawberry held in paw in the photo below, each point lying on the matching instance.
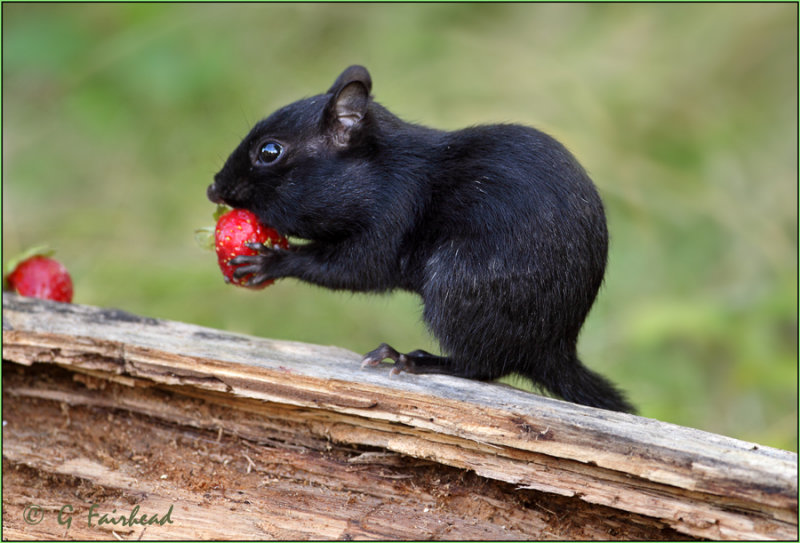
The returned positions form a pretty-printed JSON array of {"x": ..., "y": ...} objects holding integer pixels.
[
  {"x": 234, "y": 230},
  {"x": 41, "y": 277}
]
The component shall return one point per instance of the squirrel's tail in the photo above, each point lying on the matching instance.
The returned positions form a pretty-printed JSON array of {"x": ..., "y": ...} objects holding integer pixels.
[{"x": 574, "y": 382}]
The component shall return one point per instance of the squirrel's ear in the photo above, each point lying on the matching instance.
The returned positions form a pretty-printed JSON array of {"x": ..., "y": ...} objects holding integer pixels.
[
  {"x": 348, "y": 102},
  {"x": 349, "y": 75}
]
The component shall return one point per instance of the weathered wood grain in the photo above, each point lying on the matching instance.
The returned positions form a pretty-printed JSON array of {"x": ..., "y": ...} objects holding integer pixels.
[
  {"x": 233, "y": 473},
  {"x": 701, "y": 484}
]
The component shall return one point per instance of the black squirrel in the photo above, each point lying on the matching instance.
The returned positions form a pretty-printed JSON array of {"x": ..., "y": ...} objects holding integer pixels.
[{"x": 497, "y": 228}]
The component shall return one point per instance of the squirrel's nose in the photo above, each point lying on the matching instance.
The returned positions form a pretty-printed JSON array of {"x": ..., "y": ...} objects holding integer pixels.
[{"x": 212, "y": 194}]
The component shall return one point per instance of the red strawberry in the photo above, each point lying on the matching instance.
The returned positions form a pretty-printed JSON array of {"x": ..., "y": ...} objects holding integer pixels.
[
  {"x": 234, "y": 229},
  {"x": 41, "y": 277}
]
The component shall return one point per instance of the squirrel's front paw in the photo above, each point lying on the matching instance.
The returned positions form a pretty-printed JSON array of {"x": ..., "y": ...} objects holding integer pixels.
[{"x": 260, "y": 267}]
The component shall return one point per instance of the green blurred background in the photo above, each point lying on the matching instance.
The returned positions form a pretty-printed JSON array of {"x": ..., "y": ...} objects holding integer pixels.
[{"x": 116, "y": 117}]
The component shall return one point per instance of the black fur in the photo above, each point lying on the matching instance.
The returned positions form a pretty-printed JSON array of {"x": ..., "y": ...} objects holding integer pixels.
[{"x": 498, "y": 228}]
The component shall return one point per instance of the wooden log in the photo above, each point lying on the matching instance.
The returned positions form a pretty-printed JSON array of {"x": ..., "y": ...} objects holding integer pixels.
[
  {"x": 230, "y": 472},
  {"x": 651, "y": 473}
]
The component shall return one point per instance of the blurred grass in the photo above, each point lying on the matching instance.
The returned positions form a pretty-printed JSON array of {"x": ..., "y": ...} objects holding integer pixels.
[{"x": 116, "y": 116}]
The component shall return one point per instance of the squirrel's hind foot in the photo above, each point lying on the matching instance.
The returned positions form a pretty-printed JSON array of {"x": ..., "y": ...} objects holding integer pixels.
[{"x": 418, "y": 361}]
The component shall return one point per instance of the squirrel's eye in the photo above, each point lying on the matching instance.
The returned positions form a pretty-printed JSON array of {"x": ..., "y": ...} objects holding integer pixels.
[{"x": 269, "y": 152}]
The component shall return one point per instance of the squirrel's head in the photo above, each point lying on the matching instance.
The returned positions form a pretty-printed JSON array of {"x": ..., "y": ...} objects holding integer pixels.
[{"x": 284, "y": 167}]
